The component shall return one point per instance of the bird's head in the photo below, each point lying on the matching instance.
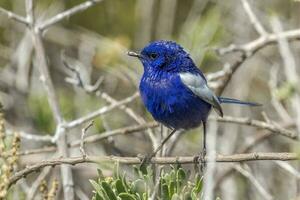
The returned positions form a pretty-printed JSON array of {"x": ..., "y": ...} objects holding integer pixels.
[{"x": 164, "y": 55}]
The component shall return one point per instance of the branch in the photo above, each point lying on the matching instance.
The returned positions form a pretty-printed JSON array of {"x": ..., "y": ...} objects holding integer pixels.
[
  {"x": 254, "y": 181},
  {"x": 258, "y": 124},
  {"x": 253, "y": 19},
  {"x": 68, "y": 13},
  {"x": 136, "y": 128},
  {"x": 99, "y": 112},
  {"x": 66, "y": 172},
  {"x": 157, "y": 160},
  {"x": 251, "y": 47},
  {"x": 83, "y": 131},
  {"x": 14, "y": 16}
]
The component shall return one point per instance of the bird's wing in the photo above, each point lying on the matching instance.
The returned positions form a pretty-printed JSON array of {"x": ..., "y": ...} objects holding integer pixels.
[{"x": 198, "y": 86}]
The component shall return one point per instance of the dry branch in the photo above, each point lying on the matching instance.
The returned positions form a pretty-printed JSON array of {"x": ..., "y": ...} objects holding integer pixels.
[
  {"x": 68, "y": 13},
  {"x": 14, "y": 16},
  {"x": 258, "y": 124},
  {"x": 157, "y": 160}
]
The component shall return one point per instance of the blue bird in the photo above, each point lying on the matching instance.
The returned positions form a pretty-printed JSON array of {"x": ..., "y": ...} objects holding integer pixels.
[{"x": 175, "y": 91}]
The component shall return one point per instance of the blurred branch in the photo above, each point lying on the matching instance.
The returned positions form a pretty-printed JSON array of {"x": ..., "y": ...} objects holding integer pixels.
[
  {"x": 249, "y": 49},
  {"x": 135, "y": 128},
  {"x": 29, "y": 136},
  {"x": 96, "y": 137},
  {"x": 258, "y": 124},
  {"x": 289, "y": 168},
  {"x": 290, "y": 68},
  {"x": 253, "y": 19},
  {"x": 84, "y": 130},
  {"x": 245, "y": 149},
  {"x": 68, "y": 13},
  {"x": 254, "y": 181},
  {"x": 157, "y": 160},
  {"x": 100, "y": 111},
  {"x": 34, "y": 187},
  {"x": 66, "y": 171},
  {"x": 88, "y": 88},
  {"x": 253, "y": 46},
  {"x": 14, "y": 16}
]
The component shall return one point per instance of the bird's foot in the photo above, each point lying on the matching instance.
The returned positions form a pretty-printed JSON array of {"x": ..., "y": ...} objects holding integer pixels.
[
  {"x": 200, "y": 159},
  {"x": 145, "y": 161}
]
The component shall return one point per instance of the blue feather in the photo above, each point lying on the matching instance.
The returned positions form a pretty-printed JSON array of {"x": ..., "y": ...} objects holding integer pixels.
[{"x": 236, "y": 101}]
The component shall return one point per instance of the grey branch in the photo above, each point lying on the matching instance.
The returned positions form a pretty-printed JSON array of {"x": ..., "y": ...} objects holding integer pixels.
[
  {"x": 100, "y": 111},
  {"x": 251, "y": 47},
  {"x": 68, "y": 13},
  {"x": 14, "y": 16},
  {"x": 253, "y": 19},
  {"x": 84, "y": 130},
  {"x": 266, "y": 195},
  {"x": 157, "y": 160},
  {"x": 258, "y": 124}
]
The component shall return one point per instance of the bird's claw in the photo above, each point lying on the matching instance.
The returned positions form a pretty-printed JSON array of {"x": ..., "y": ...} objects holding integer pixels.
[
  {"x": 200, "y": 159},
  {"x": 145, "y": 160}
]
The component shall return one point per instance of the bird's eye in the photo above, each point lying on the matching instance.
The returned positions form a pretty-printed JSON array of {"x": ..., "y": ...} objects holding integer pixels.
[{"x": 153, "y": 56}]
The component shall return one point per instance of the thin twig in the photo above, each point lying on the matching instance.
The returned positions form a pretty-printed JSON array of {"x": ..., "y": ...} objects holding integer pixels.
[
  {"x": 289, "y": 168},
  {"x": 254, "y": 181},
  {"x": 68, "y": 13},
  {"x": 34, "y": 187},
  {"x": 253, "y": 19},
  {"x": 14, "y": 16},
  {"x": 60, "y": 136},
  {"x": 258, "y": 124},
  {"x": 84, "y": 130},
  {"x": 99, "y": 112},
  {"x": 251, "y": 47}
]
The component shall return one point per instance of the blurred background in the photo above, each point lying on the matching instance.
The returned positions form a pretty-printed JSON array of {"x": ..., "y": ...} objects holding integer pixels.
[{"x": 95, "y": 42}]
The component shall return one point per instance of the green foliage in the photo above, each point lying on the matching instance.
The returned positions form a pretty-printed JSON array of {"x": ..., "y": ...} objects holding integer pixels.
[
  {"x": 172, "y": 184},
  {"x": 203, "y": 32},
  {"x": 287, "y": 90},
  {"x": 41, "y": 113}
]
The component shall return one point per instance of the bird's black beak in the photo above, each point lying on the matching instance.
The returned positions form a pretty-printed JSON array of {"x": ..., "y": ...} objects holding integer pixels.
[{"x": 133, "y": 54}]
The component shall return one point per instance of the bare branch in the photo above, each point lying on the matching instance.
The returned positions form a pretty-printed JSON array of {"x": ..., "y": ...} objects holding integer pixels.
[
  {"x": 251, "y": 47},
  {"x": 157, "y": 160},
  {"x": 66, "y": 172},
  {"x": 290, "y": 68},
  {"x": 14, "y": 16},
  {"x": 34, "y": 187},
  {"x": 289, "y": 168},
  {"x": 254, "y": 181},
  {"x": 258, "y": 124},
  {"x": 84, "y": 130},
  {"x": 253, "y": 19},
  {"x": 100, "y": 111},
  {"x": 68, "y": 13},
  {"x": 29, "y": 136}
]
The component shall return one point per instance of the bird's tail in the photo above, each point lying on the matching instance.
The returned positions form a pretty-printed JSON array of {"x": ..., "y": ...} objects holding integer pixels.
[{"x": 236, "y": 101}]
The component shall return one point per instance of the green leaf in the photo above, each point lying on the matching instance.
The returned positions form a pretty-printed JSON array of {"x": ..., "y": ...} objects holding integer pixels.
[
  {"x": 120, "y": 186},
  {"x": 110, "y": 193},
  {"x": 172, "y": 188},
  {"x": 98, "y": 197},
  {"x": 165, "y": 191},
  {"x": 198, "y": 184},
  {"x": 96, "y": 186},
  {"x": 126, "y": 196}
]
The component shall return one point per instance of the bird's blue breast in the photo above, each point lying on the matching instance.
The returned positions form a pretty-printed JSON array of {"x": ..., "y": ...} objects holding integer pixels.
[{"x": 171, "y": 102}]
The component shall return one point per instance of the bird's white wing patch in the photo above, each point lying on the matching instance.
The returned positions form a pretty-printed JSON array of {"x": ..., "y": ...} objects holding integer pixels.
[{"x": 198, "y": 86}]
